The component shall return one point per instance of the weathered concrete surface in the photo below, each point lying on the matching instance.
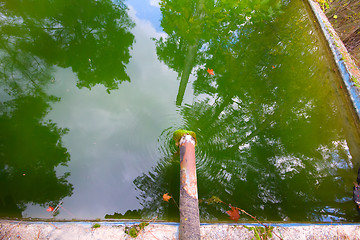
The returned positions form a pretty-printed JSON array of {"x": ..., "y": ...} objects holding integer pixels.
[{"x": 115, "y": 230}]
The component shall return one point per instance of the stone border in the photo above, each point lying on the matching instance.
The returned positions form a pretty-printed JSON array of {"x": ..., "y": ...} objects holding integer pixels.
[
  {"x": 116, "y": 230},
  {"x": 349, "y": 72}
]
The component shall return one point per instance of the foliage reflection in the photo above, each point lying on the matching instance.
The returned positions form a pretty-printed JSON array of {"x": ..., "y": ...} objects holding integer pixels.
[
  {"x": 30, "y": 150},
  {"x": 92, "y": 38},
  {"x": 271, "y": 136}
]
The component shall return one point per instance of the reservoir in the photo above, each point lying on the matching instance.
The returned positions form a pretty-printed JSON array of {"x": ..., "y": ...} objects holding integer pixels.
[{"x": 92, "y": 91}]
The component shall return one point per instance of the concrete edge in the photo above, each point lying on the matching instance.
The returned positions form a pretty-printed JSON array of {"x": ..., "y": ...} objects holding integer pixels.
[
  {"x": 349, "y": 72},
  {"x": 11, "y": 229},
  {"x": 176, "y": 224}
]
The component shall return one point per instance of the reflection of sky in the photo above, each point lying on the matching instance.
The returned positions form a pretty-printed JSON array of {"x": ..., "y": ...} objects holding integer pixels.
[
  {"x": 147, "y": 10},
  {"x": 113, "y": 137}
]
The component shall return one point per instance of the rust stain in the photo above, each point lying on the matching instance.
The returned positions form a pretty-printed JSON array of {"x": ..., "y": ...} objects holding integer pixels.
[{"x": 188, "y": 169}]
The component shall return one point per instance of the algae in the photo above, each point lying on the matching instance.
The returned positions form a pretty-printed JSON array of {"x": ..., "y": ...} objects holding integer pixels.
[
  {"x": 135, "y": 230},
  {"x": 178, "y": 134},
  {"x": 96, "y": 225}
]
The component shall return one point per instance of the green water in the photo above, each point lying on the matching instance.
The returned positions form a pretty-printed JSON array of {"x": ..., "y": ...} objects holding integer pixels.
[{"x": 92, "y": 91}]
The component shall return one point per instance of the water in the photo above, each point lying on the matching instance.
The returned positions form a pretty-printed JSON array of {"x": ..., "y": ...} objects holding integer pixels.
[{"x": 91, "y": 93}]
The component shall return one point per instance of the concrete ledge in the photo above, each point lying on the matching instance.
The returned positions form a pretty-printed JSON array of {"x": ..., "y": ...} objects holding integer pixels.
[
  {"x": 115, "y": 230},
  {"x": 350, "y": 73}
]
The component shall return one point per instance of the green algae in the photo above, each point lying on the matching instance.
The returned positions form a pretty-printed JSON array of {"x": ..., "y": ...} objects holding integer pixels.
[
  {"x": 96, "y": 225},
  {"x": 135, "y": 230},
  {"x": 178, "y": 134}
]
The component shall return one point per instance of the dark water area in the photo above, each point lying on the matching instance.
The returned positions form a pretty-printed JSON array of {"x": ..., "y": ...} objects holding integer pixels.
[{"x": 92, "y": 91}]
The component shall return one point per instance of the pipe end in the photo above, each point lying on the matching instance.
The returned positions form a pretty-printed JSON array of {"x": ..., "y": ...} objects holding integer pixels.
[{"x": 180, "y": 133}]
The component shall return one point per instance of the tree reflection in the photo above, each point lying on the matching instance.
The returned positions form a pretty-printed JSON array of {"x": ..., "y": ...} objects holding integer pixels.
[
  {"x": 164, "y": 178},
  {"x": 30, "y": 150},
  {"x": 269, "y": 139},
  {"x": 91, "y": 37},
  {"x": 193, "y": 26}
]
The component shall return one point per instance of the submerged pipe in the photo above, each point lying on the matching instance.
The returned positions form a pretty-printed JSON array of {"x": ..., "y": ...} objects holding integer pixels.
[{"x": 189, "y": 205}]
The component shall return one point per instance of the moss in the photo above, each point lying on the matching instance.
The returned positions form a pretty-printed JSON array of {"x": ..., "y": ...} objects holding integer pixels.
[
  {"x": 353, "y": 79},
  {"x": 261, "y": 232},
  {"x": 134, "y": 230},
  {"x": 96, "y": 225},
  {"x": 178, "y": 134}
]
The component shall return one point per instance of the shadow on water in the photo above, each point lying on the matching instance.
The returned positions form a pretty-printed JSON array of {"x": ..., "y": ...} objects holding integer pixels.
[
  {"x": 274, "y": 137},
  {"x": 90, "y": 37},
  {"x": 30, "y": 150}
]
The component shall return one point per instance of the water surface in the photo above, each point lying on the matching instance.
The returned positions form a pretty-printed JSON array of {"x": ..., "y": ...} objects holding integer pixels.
[{"x": 92, "y": 91}]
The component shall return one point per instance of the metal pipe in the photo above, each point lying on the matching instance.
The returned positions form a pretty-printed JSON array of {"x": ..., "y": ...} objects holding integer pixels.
[{"x": 189, "y": 205}]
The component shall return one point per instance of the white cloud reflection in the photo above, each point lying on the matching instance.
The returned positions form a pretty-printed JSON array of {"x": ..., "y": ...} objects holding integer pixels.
[
  {"x": 155, "y": 3},
  {"x": 113, "y": 137}
]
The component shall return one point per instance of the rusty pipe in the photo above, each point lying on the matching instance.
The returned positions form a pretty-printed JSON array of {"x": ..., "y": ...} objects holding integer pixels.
[{"x": 189, "y": 205}]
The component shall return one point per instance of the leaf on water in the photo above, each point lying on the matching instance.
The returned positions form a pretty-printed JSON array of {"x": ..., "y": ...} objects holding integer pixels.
[
  {"x": 166, "y": 197},
  {"x": 233, "y": 213},
  {"x": 50, "y": 209},
  {"x": 210, "y": 71}
]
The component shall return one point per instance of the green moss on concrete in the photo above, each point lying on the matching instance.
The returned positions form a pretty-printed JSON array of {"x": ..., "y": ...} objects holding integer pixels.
[
  {"x": 96, "y": 225},
  {"x": 135, "y": 230},
  {"x": 178, "y": 134}
]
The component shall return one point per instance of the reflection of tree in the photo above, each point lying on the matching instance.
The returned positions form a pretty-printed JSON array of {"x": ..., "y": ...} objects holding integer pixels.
[
  {"x": 269, "y": 139},
  {"x": 91, "y": 37},
  {"x": 30, "y": 149},
  {"x": 164, "y": 178},
  {"x": 192, "y": 26}
]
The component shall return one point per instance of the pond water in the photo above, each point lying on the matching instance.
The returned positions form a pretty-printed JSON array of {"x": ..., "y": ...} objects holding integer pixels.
[{"x": 92, "y": 91}]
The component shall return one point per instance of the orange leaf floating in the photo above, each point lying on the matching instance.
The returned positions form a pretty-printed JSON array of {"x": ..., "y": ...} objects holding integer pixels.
[
  {"x": 210, "y": 71},
  {"x": 166, "y": 197},
  {"x": 50, "y": 209},
  {"x": 233, "y": 213}
]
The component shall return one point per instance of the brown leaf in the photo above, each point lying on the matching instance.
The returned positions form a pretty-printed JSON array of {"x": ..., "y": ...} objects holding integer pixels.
[
  {"x": 166, "y": 197},
  {"x": 233, "y": 213}
]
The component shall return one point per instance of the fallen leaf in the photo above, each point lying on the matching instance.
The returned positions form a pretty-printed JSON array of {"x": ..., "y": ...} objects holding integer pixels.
[
  {"x": 166, "y": 197},
  {"x": 233, "y": 213},
  {"x": 273, "y": 66},
  {"x": 210, "y": 71},
  {"x": 50, "y": 209}
]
